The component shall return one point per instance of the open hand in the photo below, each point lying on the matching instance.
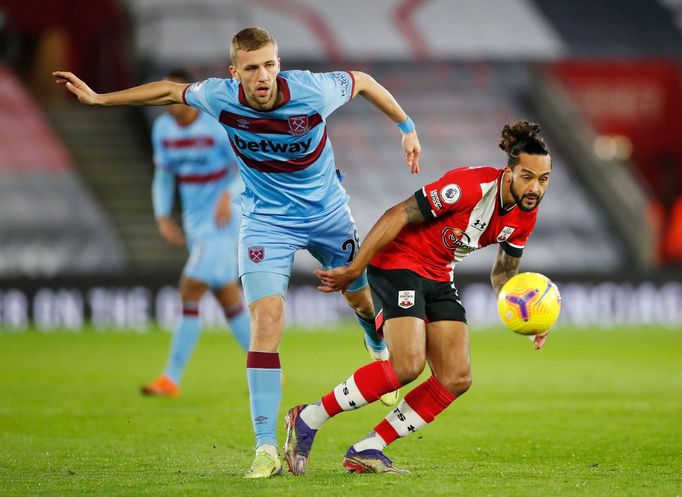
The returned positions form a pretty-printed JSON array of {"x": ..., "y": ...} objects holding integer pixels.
[
  {"x": 171, "y": 232},
  {"x": 539, "y": 340},
  {"x": 412, "y": 150},
  {"x": 77, "y": 87},
  {"x": 334, "y": 280},
  {"x": 223, "y": 210}
]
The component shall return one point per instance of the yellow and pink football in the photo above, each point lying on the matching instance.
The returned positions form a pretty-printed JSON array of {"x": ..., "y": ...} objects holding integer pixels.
[{"x": 529, "y": 303}]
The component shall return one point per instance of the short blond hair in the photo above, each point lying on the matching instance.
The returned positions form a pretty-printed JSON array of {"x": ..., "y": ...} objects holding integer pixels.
[{"x": 249, "y": 39}]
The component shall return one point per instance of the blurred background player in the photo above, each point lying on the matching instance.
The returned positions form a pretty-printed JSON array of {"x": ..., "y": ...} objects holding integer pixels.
[
  {"x": 191, "y": 151},
  {"x": 413, "y": 249},
  {"x": 293, "y": 197}
]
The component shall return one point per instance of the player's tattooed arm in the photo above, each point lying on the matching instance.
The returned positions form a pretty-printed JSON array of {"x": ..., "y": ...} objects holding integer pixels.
[
  {"x": 504, "y": 268},
  {"x": 414, "y": 213},
  {"x": 382, "y": 233}
]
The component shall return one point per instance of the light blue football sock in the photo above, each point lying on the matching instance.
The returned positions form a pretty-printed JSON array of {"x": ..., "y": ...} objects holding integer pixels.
[
  {"x": 184, "y": 341},
  {"x": 372, "y": 338},
  {"x": 264, "y": 375},
  {"x": 240, "y": 323}
]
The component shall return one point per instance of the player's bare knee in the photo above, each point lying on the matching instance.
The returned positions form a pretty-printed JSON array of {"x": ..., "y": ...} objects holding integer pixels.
[
  {"x": 458, "y": 383},
  {"x": 408, "y": 369},
  {"x": 191, "y": 290},
  {"x": 266, "y": 319}
]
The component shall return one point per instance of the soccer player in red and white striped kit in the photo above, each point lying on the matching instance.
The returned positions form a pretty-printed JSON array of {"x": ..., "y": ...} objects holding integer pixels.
[{"x": 411, "y": 252}]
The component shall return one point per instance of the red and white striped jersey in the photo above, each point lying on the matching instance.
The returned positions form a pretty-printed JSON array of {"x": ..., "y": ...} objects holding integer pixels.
[{"x": 464, "y": 212}]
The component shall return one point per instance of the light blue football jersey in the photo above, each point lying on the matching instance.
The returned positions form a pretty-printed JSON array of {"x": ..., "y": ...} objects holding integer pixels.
[
  {"x": 199, "y": 159},
  {"x": 284, "y": 154}
]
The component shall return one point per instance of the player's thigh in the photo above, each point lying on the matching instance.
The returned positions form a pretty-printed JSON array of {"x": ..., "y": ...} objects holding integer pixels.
[
  {"x": 191, "y": 290},
  {"x": 400, "y": 306},
  {"x": 229, "y": 295},
  {"x": 267, "y": 323},
  {"x": 334, "y": 242},
  {"x": 447, "y": 351},
  {"x": 405, "y": 337}
]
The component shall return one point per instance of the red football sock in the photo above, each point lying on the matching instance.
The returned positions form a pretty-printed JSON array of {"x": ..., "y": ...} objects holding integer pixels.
[
  {"x": 365, "y": 386},
  {"x": 419, "y": 407}
]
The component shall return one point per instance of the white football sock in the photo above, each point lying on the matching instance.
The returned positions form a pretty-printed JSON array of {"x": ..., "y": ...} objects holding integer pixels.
[
  {"x": 314, "y": 415},
  {"x": 371, "y": 441}
]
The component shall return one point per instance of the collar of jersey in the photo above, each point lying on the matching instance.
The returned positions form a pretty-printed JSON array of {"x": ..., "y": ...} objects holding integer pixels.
[
  {"x": 501, "y": 210},
  {"x": 282, "y": 86}
]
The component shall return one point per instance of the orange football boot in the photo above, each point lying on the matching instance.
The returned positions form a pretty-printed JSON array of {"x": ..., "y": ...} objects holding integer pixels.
[{"x": 161, "y": 387}]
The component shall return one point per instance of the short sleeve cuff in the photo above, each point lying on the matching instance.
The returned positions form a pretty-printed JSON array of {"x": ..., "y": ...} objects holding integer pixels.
[
  {"x": 511, "y": 250},
  {"x": 424, "y": 205}
]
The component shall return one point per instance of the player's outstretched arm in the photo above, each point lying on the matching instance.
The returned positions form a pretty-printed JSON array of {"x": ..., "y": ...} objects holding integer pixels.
[
  {"x": 367, "y": 86},
  {"x": 383, "y": 232},
  {"x": 504, "y": 267},
  {"x": 156, "y": 93}
]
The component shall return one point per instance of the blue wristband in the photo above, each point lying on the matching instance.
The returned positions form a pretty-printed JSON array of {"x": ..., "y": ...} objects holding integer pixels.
[{"x": 406, "y": 126}]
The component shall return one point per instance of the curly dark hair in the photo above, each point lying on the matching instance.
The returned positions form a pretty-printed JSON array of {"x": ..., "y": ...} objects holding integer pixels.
[{"x": 521, "y": 136}]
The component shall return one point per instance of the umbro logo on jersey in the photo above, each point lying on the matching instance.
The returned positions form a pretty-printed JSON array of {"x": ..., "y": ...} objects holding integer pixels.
[
  {"x": 405, "y": 298},
  {"x": 451, "y": 193},
  {"x": 505, "y": 233},
  {"x": 270, "y": 146}
]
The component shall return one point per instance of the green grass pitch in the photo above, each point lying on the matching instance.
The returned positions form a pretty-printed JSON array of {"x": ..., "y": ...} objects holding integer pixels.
[{"x": 594, "y": 413}]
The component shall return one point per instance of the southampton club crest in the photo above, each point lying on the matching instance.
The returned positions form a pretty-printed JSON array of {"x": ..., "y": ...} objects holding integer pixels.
[
  {"x": 405, "y": 298},
  {"x": 505, "y": 233},
  {"x": 256, "y": 254},
  {"x": 298, "y": 125}
]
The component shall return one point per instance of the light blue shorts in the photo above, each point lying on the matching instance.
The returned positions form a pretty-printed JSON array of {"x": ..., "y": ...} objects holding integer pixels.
[
  {"x": 213, "y": 259},
  {"x": 268, "y": 248}
]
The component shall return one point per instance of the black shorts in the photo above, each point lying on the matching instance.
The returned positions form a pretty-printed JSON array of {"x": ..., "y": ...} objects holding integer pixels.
[{"x": 400, "y": 292}]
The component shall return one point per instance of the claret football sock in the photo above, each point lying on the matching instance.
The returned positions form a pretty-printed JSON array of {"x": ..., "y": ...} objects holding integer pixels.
[
  {"x": 419, "y": 407},
  {"x": 184, "y": 341},
  {"x": 240, "y": 323},
  {"x": 372, "y": 339},
  {"x": 264, "y": 376}
]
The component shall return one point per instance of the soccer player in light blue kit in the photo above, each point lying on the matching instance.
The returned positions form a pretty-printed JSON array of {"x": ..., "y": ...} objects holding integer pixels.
[
  {"x": 293, "y": 198},
  {"x": 191, "y": 150}
]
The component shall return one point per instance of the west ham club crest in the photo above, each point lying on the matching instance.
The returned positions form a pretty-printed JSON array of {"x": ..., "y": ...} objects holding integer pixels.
[
  {"x": 256, "y": 254},
  {"x": 298, "y": 125}
]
